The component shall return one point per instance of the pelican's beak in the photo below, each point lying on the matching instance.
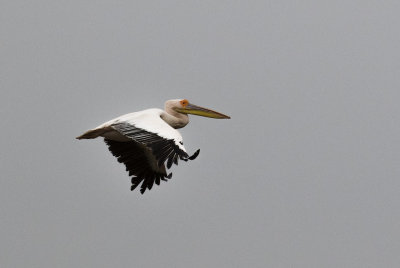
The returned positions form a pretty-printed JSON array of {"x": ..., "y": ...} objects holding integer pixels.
[{"x": 197, "y": 110}]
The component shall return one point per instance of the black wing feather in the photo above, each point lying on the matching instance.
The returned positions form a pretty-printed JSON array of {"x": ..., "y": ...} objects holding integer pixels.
[
  {"x": 135, "y": 155},
  {"x": 138, "y": 165}
]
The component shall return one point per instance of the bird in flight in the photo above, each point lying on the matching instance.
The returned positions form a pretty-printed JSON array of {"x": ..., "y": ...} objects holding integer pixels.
[{"x": 147, "y": 141}]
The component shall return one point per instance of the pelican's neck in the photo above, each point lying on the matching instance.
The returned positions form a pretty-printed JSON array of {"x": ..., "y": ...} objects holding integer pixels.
[{"x": 173, "y": 118}]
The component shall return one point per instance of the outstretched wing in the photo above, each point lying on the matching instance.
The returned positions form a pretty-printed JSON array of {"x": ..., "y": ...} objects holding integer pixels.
[{"x": 147, "y": 149}]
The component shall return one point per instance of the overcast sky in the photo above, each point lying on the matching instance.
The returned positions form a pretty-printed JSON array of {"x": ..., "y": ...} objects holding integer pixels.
[{"x": 305, "y": 174}]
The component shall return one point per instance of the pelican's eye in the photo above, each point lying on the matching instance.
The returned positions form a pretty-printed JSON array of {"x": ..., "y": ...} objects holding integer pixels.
[{"x": 184, "y": 103}]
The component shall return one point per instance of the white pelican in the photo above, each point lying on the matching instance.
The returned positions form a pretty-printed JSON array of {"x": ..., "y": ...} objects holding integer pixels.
[{"x": 145, "y": 140}]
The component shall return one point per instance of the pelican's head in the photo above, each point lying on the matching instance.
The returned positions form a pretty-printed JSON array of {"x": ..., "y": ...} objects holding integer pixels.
[{"x": 184, "y": 107}]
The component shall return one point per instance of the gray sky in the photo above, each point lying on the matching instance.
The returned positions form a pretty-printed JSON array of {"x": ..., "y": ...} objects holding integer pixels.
[{"x": 305, "y": 174}]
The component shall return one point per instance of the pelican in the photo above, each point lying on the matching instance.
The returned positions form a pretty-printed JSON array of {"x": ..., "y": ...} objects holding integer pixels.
[{"x": 144, "y": 141}]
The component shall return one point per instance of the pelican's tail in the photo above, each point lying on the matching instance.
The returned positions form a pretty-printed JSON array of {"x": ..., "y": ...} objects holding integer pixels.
[{"x": 91, "y": 134}]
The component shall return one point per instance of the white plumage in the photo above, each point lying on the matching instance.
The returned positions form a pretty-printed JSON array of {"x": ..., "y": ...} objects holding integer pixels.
[
  {"x": 147, "y": 141},
  {"x": 149, "y": 120}
]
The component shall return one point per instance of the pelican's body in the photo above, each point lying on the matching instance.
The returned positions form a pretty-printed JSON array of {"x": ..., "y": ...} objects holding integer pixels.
[{"x": 145, "y": 140}]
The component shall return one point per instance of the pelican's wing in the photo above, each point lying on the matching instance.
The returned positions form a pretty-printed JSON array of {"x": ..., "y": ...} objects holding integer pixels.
[{"x": 152, "y": 143}]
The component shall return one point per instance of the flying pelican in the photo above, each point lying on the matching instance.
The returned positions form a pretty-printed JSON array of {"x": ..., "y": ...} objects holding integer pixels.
[{"x": 145, "y": 140}]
